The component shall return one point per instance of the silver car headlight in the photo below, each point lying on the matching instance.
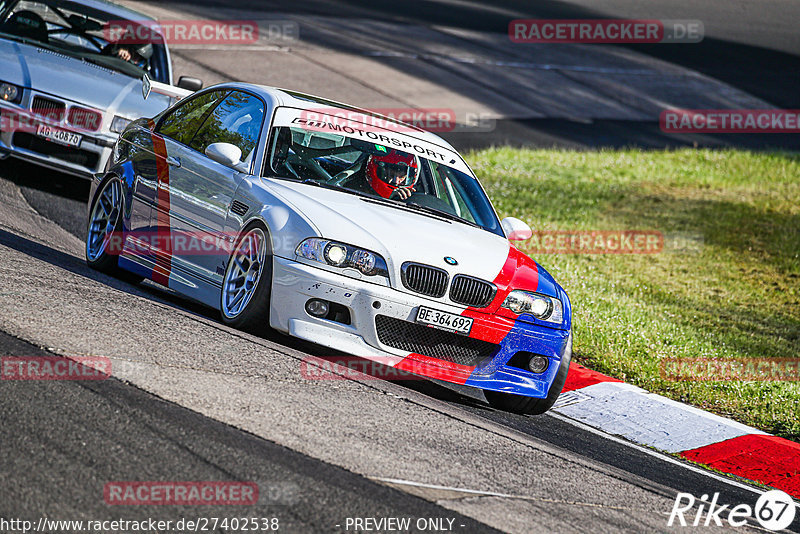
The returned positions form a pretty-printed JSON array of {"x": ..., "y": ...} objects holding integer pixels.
[
  {"x": 118, "y": 124},
  {"x": 542, "y": 307},
  {"x": 341, "y": 255},
  {"x": 10, "y": 92}
]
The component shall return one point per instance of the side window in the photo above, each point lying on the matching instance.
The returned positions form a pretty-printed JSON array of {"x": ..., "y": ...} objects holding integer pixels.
[
  {"x": 182, "y": 122},
  {"x": 236, "y": 120}
]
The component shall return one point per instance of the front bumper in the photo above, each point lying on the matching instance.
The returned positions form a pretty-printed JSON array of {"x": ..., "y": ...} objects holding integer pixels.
[
  {"x": 294, "y": 283},
  {"x": 18, "y": 138}
]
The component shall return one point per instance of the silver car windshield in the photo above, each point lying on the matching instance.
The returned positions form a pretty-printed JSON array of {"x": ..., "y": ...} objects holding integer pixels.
[
  {"x": 380, "y": 172},
  {"x": 80, "y": 31}
]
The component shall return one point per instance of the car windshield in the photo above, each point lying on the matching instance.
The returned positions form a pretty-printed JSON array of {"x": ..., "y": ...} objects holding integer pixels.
[
  {"x": 85, "y": 33},
  {"x": 379, "y": 172}
]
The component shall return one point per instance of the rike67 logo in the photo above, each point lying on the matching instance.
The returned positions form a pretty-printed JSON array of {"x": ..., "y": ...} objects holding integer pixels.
[{"x": 774, "y": 510}]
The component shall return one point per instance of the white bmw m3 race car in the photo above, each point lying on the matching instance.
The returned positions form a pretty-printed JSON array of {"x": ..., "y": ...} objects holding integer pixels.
[{"x": 336, "y": 226}]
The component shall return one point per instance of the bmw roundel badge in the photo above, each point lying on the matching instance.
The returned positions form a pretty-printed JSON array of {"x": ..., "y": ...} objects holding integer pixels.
[{"x": 450, "y": 261}]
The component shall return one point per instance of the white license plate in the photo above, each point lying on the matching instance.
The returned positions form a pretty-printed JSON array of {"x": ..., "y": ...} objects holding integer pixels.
[
  {"x": 62, "y": 137},
  {"x": 444, "y": 321}
]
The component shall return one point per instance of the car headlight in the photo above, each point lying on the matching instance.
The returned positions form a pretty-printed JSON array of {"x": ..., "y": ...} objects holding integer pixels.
[
  {"x": 10, "y": 92},
  {"x": 342, "y": 255},
  {"x": 540, "y": 306},
  {"x": 118, "y": 124}
]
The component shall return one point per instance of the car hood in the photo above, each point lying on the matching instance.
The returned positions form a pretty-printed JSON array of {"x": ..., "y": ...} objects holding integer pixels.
[
  {"x": 399, "y": 235},
  {"x": 75, "y": 80}
]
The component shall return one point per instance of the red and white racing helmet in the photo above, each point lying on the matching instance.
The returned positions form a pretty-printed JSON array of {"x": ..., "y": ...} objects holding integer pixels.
[{"x": 386, "y": 172}]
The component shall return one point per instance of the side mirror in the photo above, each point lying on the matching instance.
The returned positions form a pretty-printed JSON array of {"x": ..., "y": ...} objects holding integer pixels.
[
  {"x": 225, "y": 153},
  {"x": 190, "y": 84},
  {"x": 515, "y": 229}
]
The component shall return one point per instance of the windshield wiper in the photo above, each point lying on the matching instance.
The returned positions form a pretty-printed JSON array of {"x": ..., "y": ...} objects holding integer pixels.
[
  {"x": 335, "y": 187},
  {"x": 419, "y": 208},
  {"x": 21, "y": 39},
  {"x": 92, "y": 61},
  {"x": 400, "y": 205},
  {"x": 439, "y": 213}
]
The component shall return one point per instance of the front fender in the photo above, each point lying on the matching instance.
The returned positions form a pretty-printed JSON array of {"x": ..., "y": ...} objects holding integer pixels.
[{"x": 253, "y": 201}]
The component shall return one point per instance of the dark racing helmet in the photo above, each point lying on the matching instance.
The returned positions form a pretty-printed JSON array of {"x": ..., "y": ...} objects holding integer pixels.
[{"x": 390, "y": 170}]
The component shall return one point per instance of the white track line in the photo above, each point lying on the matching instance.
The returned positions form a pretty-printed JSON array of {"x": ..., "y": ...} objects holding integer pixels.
[{"x": 401, "y": 482}]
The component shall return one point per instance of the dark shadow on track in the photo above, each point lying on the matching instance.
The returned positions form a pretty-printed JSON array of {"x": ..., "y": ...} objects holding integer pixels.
[
  {"x": 59, "y": 197},
  {"x": 70, "y": 438},
  {"x": 46, "y": 180}
]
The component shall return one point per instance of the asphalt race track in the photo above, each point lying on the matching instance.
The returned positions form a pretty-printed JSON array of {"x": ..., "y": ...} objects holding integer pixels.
[
  {"x": 191, "y": 399},
  {"x": 70, "y": 436}
]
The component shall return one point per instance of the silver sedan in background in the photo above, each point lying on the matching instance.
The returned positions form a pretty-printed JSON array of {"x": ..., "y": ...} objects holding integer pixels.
[{"x": 66, "y": 91}]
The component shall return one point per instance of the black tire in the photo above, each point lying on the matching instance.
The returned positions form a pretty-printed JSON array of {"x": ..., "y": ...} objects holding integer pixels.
[
  {"x": 529, "y": 405},
  {"x": 107, "y": 261},
  {"x": 254, "y": 317}
]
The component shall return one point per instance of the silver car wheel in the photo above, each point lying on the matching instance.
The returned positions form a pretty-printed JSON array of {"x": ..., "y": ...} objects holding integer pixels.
[
  {"x": 104, "y": 218},
  {"x": 244, "y": 272}
]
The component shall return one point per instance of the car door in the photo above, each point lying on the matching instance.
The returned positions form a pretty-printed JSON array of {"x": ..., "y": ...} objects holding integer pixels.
[
  {"x": 147, "y": 152},
  {"x": 151, "y": 170},
  {"x": 199, "y": 190}
]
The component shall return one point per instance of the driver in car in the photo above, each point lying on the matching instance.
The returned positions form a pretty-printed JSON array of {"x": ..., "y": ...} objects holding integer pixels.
[
  {"x": 138, "y": 55},
  {"x": 390, "y": 174}
]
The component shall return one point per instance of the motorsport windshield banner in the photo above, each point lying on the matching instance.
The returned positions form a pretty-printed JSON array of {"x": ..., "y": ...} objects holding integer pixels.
[{"x": 378, "y": 130}]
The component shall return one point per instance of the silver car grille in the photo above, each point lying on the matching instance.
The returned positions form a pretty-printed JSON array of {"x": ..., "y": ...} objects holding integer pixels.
[
  {"x": 430, "y": 281},
  {"x": 46, "y": 107},
  {"x": 472, "y": 291}
]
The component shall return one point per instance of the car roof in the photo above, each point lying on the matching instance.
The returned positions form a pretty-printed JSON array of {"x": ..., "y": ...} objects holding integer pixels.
[
  {"x": 285, "y": 97},
  {"x": 117, "y": 10}
]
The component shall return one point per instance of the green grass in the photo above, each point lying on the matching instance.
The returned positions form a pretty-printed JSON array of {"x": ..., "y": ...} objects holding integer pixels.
[{"x": 733, "y": 290}]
